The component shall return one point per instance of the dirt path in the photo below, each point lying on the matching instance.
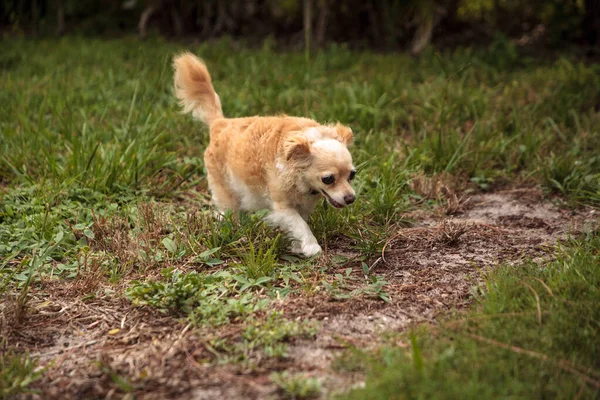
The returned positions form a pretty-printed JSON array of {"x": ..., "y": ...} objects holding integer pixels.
[{"x": 431, "y": 269}]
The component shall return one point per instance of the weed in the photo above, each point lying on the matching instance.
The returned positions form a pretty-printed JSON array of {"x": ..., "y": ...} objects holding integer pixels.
[
  {"x": 208, "y": 299},
  {"x": 119, "y": 381},
  {"x": 574, "y": 176},
  {"x": 351, "y": 360},
  {"x": 368, "y": 240},
  {"x": 297, "y": 386},
  {"x": 262, "y": 339},
  {"x": 17, "y": 372},
  {"x": 259, "y": 263},
  {"x": 387, "y": 189},
  {"x": 344, "y": 286},
  {"x": 450, "y": 232},
  {"x": 272, "y": 334},
  {"x": 328, "y": 224}
]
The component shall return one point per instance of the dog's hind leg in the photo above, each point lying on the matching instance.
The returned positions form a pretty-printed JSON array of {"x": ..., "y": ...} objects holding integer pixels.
[{"x": 222, "y": 196}]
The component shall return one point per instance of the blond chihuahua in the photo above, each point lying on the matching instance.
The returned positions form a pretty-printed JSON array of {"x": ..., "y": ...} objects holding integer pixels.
[{"x": 283, "y": 164}]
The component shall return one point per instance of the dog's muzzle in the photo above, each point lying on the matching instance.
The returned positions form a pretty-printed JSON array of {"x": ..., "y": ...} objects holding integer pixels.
[{"x": 348, "y": 199}]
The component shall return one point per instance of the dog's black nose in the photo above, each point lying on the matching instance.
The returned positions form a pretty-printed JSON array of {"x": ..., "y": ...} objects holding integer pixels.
[{"x": 349, "y": 198}]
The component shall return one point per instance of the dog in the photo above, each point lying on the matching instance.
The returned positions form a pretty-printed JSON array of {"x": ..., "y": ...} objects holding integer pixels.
[{"x": 279, "y": 163}]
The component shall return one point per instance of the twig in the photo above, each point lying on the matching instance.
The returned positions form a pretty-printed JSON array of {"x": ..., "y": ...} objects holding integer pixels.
[
  {"x": 495, "y": 228},
  {"x": 187, "y": 327},
  {"x": 545, "y": 286},
  {"x": 500, "y": 315},
  {"x": 173, "y": 345},
  {"x": 195, "y": 364},
  {"x": 50, "y": 353},
  {"x": 418, "y": 318},
  {"x": 376, "y": 263},
  {"x": 562, "y": 364},
  {"x": 580, "y": 392},
  {"x": 537, "y": 300}
]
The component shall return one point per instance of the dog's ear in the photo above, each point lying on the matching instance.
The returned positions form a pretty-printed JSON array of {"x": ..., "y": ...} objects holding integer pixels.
[
  {"x": 343, "y": 134},
  {"x": 296, "y": 146}
]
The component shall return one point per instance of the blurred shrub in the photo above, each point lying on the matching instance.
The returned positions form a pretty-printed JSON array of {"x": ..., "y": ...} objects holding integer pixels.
[{"x": 382, "y": 24}]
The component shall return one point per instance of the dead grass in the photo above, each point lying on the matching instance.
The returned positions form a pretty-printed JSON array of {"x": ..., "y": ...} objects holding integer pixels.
[{"x": 443, "y": 188}]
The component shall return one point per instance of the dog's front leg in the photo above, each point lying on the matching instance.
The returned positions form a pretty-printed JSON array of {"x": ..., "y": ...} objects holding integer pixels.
[{"x": 290, "y": 221}]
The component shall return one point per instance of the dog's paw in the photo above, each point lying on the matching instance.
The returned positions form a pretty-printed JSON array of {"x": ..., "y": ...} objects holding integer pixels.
[
  {"x": 310, "y": 249},
  {"x": 218, "y": 215},
  {"x": 307, "y": 249}
]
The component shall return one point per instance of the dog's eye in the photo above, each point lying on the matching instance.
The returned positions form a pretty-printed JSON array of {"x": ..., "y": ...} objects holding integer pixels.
[
  {"x": 328, "y": 180},
  {"x": 352, "y": 174}
]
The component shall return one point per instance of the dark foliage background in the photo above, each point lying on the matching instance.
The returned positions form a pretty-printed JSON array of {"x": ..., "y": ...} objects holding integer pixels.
[{"x": 383, "y": 24}]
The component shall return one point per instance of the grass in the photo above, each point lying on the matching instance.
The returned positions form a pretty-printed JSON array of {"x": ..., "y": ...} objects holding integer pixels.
[
  {"x": 298, "y": 386},
  {"x": 533, "y": 332},
  {"x": 213, "y": 299},
  {"x": 110, "y": 124},
  {"x": 101, "y": 178},
  {"x": 17, "y": 372}
]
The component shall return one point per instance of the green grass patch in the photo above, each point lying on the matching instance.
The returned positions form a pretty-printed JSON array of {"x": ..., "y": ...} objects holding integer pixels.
[
  {"x": 17, "y": 372},
  {"x": 532, "y": 333},
  {"x": 212, "y": 298},
  {"x": 107, "y": 119},
  {"x": 263, "y": 339},
  {"x": 296, "y": 386}
]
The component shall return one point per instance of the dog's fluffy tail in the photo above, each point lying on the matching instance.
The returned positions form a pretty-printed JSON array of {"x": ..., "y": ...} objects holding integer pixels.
[{"x": 194, "y": 88}]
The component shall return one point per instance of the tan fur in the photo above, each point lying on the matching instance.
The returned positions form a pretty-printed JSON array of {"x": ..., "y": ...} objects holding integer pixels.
[
  {"x": 194, "y": 88},
  {"x": 267, "y": 162}
]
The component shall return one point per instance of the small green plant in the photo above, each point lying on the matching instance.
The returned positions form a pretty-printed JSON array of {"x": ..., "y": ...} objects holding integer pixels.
[
  {"x": 207, "y": 258},
  {"x": 351, "y": 360},
  {"x": 263, "y": 339},
  {"x": 385, "y": 187},
  {"x": 276, "y": 329},
  {"x": 206, "y": 298},
  {"x": 369, "y": 240},
  {"x": 17, "y": 372},
  {"x": 297, "y": 386},
  {"x": 327, "y": 223},
  {"x": 574, "y": 176},
  {"x": 344, "y": 286},
  {"x": 221, "y": 233},
  {"x": 117, "y": 379},
  {"x": 259, "y": 261}
]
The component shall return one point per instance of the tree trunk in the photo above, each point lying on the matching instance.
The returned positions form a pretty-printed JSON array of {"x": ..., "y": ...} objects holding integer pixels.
[
  {"x": 207, "y": 11},
  {"x": 35, "y": 16},
  {"x": 591, "y": 22},
  {"x": 322, "y": 23},
  {"x": 223, "y": 19},
  {"x": 307, "y": 25},
  {"x": 452, "y": 11},
  {"x": 60, "y": 17},
  {"x": 423, "y": 35},
  {"x": 177, "y": 21},
  {"x": 144, "y": 18},
  {"x": 374, "y": 23}
]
